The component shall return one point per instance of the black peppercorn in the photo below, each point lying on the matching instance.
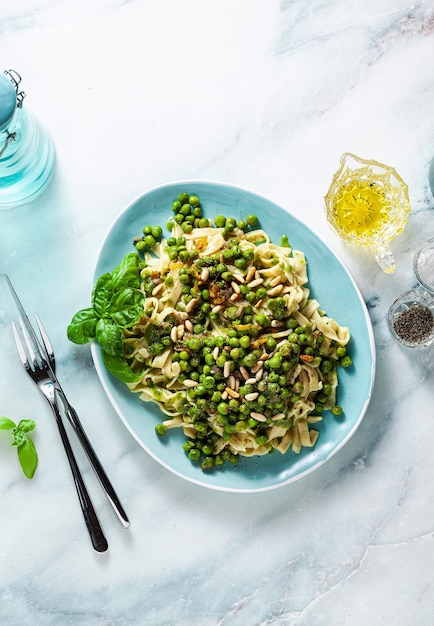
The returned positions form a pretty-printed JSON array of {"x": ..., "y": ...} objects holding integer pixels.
[{"x": 415, "y": 324}]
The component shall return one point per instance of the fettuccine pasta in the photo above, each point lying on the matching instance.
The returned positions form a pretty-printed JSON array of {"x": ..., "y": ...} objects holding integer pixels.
[{"x": 231, "y": 346}]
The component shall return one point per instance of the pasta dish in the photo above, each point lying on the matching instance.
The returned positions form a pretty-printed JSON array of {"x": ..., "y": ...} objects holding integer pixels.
[{"x": 230, "y": 345}]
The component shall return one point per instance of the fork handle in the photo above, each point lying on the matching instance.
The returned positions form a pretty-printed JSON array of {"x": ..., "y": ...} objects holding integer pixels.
[
  {"x": 96, "y": 465},
  {"x": 96, "y": 533}
]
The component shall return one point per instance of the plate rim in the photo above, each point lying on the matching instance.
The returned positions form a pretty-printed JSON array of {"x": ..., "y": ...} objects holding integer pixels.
[{"x": 103, "y": 374}]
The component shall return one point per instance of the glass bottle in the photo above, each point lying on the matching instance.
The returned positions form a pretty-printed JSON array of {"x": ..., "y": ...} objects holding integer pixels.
[{"x": 27, "y": 152}]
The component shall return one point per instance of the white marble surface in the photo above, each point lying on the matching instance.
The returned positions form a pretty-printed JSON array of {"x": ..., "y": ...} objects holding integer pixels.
[{"x": 265, "y": 95}]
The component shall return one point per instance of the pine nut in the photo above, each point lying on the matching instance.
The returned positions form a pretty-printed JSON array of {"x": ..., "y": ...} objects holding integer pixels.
[
  {"x": 259, "y": 417},
  {"x": 250, "y": 381},
  {"x": 174, "y": 334},
  {"x": 250, "y": 273},
  {"x": 259, "y": 365},
  {"x": 190, "y": 305},
  {"x": 190, "y": 383},
  {"x": 205, "y": 274},
  {"x": 251, "y": 396},
  {"x": 274, "y": 291},
  {"x": 227, "y": 369},
  {"x": 278, "y": 416},
  {"x": 232, "y": 392},
  {"x": 188, "y": 325},
  {"x": 244, "y": 373},
  {"x": 215, "y": 353},
  {"x": 255, "y": 283},
  {"x": 156, "y": 290},
  {"x": 235, "y": 287},
  {"x": 275, "y": 281}
]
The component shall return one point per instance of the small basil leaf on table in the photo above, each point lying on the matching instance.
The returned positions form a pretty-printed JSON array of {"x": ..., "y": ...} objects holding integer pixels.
[{"x": 28, "y": 457}]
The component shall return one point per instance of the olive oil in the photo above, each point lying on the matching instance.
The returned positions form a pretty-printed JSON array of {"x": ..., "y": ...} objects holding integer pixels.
[
  {"x": 367, "y": 204},
  {"x": 361, "y": 208}
]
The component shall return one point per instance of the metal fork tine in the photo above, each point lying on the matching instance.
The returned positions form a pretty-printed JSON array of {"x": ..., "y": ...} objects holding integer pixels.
[
  {"x": 29, "y": 344},
  {"x": 25, "y": 322},
  {"x": 20, "y": 347},
  {"x": 46, "y": 341}
]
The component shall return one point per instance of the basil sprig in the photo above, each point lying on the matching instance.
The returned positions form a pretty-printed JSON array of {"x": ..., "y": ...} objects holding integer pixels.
[
  {"x": 117, "y": 303},
  {"x": 27, "y": 455}
]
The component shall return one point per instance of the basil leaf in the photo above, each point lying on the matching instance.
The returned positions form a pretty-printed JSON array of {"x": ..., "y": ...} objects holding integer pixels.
[
  {"x": 109, "y": 337},
  {"x": 82, "y": 328},
  {"x": 102, "y": 295},
  {"x": 126, "y": 274},
  {"x": 6, "y": 423},
  {"x": 127, "y": 307},
  {"x": 28, "y": 457},
  {"x": 26, "y": 425},
  {"x": 119, "y": 368}
]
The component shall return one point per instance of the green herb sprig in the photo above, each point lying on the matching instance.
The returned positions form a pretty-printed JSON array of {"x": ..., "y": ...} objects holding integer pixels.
[
  {"x": 117, "y": 303},
  {"x": 27, "y": 455}
]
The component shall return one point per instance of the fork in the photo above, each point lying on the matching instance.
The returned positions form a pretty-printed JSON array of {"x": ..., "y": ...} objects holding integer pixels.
[
  {"x": 47, "y": 350},
  {"x": 39, "y": 371}
]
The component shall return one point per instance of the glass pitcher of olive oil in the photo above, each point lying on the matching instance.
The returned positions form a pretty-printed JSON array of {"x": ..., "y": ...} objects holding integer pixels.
[{"x": 368, "y": 205}]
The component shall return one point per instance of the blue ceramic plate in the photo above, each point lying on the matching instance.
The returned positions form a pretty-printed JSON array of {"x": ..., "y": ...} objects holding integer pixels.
[{"x": 330, "y": 284}]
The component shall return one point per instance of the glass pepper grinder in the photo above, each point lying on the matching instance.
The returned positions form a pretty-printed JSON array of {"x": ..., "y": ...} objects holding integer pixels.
[{"x": 27, "y": 152}]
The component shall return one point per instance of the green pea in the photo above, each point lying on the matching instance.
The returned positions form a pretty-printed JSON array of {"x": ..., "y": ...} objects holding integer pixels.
[
  {"x": 184, "y": 355},
  {"x": 252, "y": 220},
  {"x": 194, "y": 201},
  {"x": 156, "y": 231},
  {"x": 275, "y": 362},
  {"x": 220, "y": 221},
  {"x": 244, "y": 341},
  {"x": 194, "y": 454},
  {"x": 241, "y": 264},
  {"x": 221, "y": 360},
  {"x": 223, "y": 408},
  {"x": 183, "y": 197},
  {"x": 209, "y": 382},
  {"x": 194, "y": 343},
  {"x": 140, "y": 245},
  {"x": 337, "y": 410},
  {"x": 203, "y": 222},
  {"x": 176, "y": 205},
  {"x": 184, "y": 255},
  {"x": 161, "y": 429}
]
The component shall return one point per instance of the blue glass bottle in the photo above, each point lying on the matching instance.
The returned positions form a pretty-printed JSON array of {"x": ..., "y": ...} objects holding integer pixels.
[{"x": 27, "y": 152}]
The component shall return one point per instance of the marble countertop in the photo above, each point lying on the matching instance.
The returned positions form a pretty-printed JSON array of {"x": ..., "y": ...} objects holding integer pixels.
[{"x": 265, "y": 95}]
